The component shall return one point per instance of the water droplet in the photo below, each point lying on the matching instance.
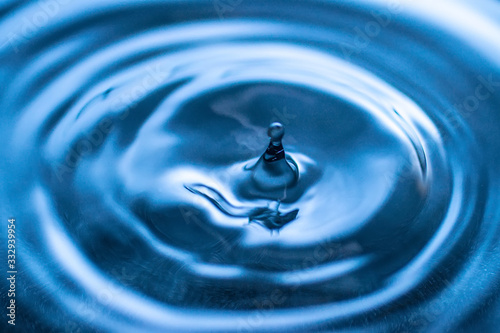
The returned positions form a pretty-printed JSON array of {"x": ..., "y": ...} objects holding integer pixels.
[
  {"x": 272, "y": 175},
  {"x": 275, "y": 150},
  {"x": 274, "y": 170}
]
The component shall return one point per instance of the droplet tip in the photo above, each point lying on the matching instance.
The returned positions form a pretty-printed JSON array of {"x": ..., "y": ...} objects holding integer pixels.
[{"x": 276, "y": 131}]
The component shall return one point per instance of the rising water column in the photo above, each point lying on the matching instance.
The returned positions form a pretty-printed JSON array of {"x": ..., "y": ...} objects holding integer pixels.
[{"x": 273, "y": 171}]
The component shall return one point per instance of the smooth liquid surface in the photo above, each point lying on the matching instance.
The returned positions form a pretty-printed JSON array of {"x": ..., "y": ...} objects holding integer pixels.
[{"x": 110, "y": 110}]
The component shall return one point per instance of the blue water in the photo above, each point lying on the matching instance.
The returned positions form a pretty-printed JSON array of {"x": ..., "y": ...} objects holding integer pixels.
[{"x": 112, "y": 110}]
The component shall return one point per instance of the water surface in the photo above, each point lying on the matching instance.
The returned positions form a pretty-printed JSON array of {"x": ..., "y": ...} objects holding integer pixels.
[{"x": 391, "y": 109}]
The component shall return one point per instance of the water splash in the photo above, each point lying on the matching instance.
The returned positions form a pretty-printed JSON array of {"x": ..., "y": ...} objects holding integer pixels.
[
  {"x": 269, "y": 216},
  {"x": 273, "y": 173}
]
